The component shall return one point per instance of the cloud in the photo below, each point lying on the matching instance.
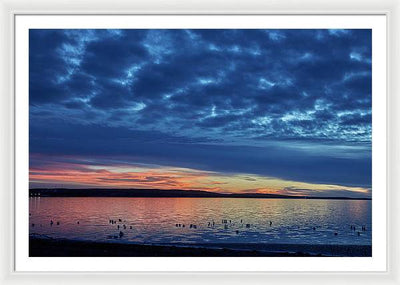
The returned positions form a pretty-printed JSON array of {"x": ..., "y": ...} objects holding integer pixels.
[
  {"x": 116, "y": 172},
  {"x": 249, "y": 99},
  {"x": 314, "y": 163}
]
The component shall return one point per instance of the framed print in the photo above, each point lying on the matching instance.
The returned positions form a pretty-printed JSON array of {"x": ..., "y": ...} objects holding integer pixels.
[
  {"x": 202, "y": 143},
  {"x": 211, "y": 137}
]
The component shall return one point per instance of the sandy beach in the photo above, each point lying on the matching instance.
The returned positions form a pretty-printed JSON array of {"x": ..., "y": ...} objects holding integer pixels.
[{"x": 47, "y": 247}]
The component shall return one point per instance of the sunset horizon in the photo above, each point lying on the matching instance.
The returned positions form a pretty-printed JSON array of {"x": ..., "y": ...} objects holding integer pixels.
[
  {"x": 79, "y": 176},
  {"x": 248, "y": 110}
]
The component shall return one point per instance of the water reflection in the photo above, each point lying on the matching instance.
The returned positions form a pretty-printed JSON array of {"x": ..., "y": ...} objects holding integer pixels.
[{"x": 203, "y": 220}]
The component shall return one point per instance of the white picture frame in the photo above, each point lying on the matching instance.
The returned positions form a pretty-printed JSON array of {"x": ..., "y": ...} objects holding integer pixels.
[{"x": 11, "y": 9}]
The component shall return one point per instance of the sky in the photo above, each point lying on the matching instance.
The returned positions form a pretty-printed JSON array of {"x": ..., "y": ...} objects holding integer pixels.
[{"x": 230, "y": 111}]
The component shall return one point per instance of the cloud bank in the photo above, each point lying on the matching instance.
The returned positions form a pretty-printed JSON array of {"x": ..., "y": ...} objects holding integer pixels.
[{"x": 291, "y": 104}]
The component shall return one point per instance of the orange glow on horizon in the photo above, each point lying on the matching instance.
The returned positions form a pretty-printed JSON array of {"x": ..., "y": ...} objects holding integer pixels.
[
  {"x": 122, "y": 176},
  {"x": 106, "y": 178}
]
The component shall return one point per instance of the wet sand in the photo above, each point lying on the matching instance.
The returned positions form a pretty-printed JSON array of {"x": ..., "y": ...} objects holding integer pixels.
[{"x": 48, "y": 247}]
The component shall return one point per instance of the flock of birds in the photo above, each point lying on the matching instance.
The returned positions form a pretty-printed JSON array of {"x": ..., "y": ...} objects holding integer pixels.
[
  {"x": 211, "y": 224},
  {"x": 121, "y": 233},
  {"x": 227, "y": 225}
]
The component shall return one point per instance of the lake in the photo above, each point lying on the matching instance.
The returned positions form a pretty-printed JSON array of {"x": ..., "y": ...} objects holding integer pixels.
[{"x": 213, "y": 220}]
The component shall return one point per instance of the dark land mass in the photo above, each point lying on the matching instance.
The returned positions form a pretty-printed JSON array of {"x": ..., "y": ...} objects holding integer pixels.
[
  {"x": 102, "y": 192},
  {"x": 48, "y": 247}
]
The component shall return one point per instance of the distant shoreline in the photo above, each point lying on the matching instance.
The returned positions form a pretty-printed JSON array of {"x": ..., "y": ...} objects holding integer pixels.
[
  {"x": 49, "y": 247},
  {"x": 158, "y": 193}
]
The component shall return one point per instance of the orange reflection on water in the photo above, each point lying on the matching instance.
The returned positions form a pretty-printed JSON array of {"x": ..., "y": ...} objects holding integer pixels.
[{"x": 155, "y": 219}]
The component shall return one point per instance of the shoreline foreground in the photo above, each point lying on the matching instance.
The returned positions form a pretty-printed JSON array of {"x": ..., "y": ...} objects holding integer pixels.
[{"x": 49, "y": 247}]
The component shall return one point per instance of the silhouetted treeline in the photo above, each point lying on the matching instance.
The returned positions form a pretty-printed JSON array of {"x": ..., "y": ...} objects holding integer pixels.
[{"x": 101, "y": 192}]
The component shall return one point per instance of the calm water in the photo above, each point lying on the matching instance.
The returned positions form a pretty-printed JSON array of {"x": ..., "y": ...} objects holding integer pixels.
[{"x": 154, "y": 220}]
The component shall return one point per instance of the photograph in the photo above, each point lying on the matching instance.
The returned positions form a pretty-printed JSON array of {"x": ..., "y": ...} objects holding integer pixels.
[{"x": 200, "y": 142}]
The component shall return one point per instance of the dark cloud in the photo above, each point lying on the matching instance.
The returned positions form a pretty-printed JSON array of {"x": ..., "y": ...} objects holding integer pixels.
[
  {"x": 152, "y": 147},
  {"x": 110, "y": 58},
  {"x": 95, "y": 92}
]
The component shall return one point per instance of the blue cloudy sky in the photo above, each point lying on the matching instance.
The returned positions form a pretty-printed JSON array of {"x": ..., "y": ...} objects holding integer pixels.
[{"x": 274, "y": 111}]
